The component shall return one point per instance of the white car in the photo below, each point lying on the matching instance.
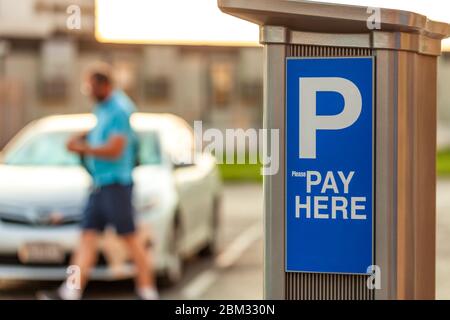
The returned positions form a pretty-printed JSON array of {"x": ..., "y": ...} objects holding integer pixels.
[{"x": 44, "y": 188}]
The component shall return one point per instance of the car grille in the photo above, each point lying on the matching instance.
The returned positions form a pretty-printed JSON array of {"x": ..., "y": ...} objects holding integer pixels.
[
  {"x": 13, "y": 260},
  {"x": 24, "y": 220}
]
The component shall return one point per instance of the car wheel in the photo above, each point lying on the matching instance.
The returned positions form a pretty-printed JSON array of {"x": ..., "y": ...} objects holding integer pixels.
[
  {"x": 210, "y": 248},
  {"x": 174, "y": 268}
]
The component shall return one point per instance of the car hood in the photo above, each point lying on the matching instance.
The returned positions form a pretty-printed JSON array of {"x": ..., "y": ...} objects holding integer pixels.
[
  {"x": 65, "y": 186},
  {"x": 39, "y": 186}
]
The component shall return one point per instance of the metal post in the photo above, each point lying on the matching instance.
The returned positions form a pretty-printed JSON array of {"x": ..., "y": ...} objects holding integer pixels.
[
  {"x": 405, "y": 51},
  {"x": 274, "y": 206}
]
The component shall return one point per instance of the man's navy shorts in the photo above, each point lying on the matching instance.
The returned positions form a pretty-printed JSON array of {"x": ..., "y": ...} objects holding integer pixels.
[{"x": 110, "y": 205}]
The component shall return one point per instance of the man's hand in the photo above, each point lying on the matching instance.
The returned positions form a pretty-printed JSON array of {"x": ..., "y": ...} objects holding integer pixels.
[
  {"x": 111, "y": 150},
  {"x": 76, "y": 144}
]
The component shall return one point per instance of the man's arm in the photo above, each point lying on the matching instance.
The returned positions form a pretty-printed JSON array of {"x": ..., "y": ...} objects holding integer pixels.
[{"x": 111, "y": 150}]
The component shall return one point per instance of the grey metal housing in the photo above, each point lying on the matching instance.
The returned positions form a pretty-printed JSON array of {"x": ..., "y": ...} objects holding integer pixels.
[{"x": 405, "y": 49}]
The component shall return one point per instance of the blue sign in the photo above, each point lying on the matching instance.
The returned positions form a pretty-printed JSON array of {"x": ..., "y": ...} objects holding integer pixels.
[{"x": 329, "y": 165}]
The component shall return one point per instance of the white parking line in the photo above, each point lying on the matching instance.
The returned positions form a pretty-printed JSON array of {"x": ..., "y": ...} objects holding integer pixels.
[
  {"x": 235, "y": 250},
  {"x": 200, "y": 284}
]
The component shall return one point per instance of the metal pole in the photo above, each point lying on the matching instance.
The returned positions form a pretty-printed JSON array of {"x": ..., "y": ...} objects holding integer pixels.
[{"x": 274, "y": 75}]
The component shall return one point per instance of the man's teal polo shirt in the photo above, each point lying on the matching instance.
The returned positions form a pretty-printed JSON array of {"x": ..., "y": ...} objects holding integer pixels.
[{"x": 113, "y": 117}]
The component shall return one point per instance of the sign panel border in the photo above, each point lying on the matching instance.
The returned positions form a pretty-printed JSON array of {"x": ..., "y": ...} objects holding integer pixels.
[{"x": 373, "y": 58}]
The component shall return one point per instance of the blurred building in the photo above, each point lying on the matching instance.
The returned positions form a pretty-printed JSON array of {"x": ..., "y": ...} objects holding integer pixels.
[{"x": 42, "y": 62}]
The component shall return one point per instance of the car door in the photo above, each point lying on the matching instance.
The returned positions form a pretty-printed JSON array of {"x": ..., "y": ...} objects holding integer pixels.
[{"x": 190, "y": 175}]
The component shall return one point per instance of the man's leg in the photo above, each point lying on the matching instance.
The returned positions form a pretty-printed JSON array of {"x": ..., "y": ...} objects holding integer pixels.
[
  {"x": 142, "y": 260},
  {"x": 120, "y": 211},
  {"x": 85, "y": 256}
]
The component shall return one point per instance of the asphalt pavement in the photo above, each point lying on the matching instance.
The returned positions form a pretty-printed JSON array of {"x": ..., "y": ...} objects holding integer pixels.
[
  {"x": 236, "y": 272},
  {"x": 443, "y": 240}
]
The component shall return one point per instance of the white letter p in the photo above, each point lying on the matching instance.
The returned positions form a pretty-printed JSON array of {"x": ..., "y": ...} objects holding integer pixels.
[{"x": 310, "y": 122}]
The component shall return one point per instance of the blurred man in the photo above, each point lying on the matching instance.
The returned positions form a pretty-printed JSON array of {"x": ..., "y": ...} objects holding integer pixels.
[{"x": 110, "y": 154}]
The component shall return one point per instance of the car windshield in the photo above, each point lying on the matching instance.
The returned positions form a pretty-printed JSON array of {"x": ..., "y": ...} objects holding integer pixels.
[{"x": 49, "y": 149}]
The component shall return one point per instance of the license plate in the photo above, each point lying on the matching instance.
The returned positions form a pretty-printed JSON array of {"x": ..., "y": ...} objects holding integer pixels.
[{"x": 41, "y": 253}]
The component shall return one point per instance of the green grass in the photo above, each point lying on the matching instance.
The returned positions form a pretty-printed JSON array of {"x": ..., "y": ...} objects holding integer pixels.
[
  {"x": 443, "y": 163},
  {"x": 240, "y": 172},
  {"x": 251, "y": 172}
]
